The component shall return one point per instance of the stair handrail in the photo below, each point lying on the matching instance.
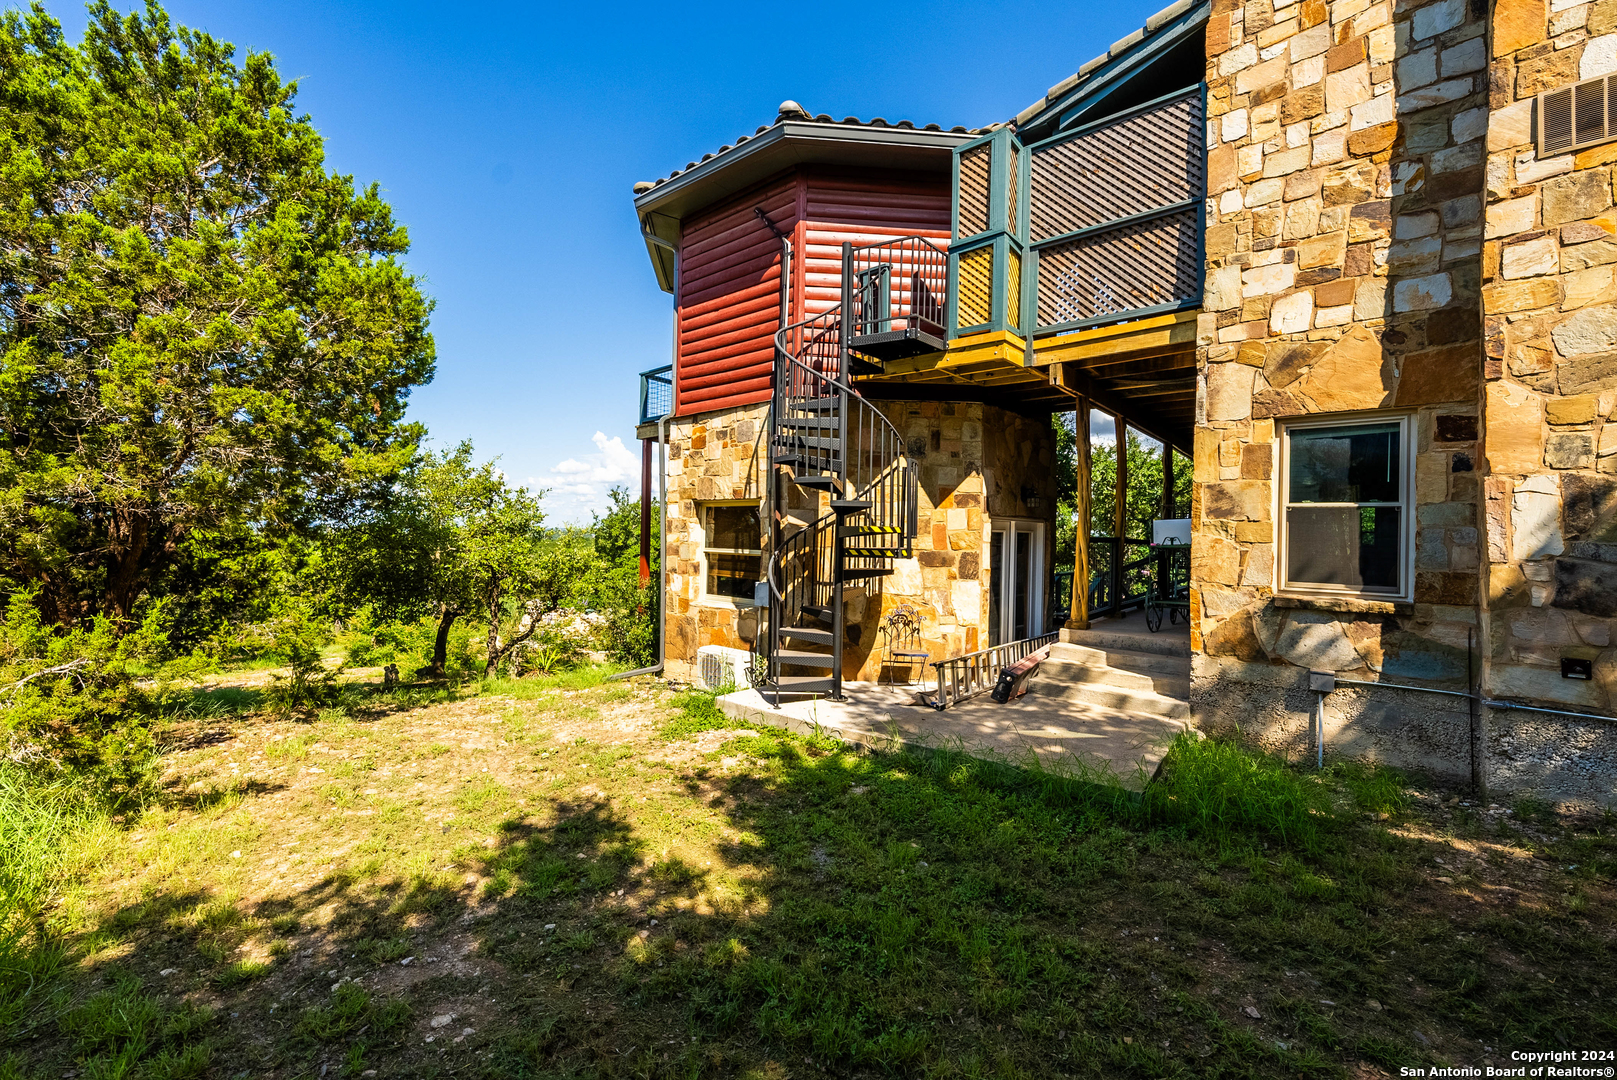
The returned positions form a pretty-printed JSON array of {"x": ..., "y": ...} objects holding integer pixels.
[
  {"x": 868, "y": 456},
  {"x": 916, "y": 292}
]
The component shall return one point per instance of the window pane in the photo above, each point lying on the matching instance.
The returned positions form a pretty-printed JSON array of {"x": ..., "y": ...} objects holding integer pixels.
[
  {"x": 1024, "y": 567},
  {"x": 733, "y": 575},
  {"x": 734, "y": 527},
  {"x": 1352, "y": 546},
  {"x": 1345, "y": 464}
]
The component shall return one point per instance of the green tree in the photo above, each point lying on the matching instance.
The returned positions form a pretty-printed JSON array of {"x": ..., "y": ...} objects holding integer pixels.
[
  {"x": 1144, "y": 492},
  {"x": 201, "y": 329},
  {"x": 614, "y": 589},
  {"x": 483, "y": 542}
]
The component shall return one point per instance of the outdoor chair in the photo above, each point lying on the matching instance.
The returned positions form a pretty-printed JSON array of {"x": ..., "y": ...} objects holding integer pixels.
[{"x": 901, "y": 641}]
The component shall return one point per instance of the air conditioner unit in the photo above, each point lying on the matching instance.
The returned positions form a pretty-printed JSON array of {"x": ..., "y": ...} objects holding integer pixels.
[{"x": 722, "y": 666}]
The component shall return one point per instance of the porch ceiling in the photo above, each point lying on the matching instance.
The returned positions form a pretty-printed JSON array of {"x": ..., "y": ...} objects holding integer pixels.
[{"x": 1144, "y": 371}]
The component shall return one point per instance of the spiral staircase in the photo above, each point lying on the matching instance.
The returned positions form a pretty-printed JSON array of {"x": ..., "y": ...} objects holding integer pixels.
[{"x": 841, "y": 449}]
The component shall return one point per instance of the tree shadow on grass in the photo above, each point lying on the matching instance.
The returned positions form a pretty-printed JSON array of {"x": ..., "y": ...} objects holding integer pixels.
[{"x": 873, "y": 914}]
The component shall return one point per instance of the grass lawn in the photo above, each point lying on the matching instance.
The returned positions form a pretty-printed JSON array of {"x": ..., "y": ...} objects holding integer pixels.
[{"x": 571, "y": 878}]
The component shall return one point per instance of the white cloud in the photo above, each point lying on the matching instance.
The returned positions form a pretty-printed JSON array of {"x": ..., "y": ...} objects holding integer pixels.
[{"x": 578, "y": 486}]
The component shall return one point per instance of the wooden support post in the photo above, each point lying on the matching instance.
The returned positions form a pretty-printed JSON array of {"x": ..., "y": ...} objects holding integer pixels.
[
  {"x": 1167, "y": 481},
  {"x": 1078, "y": 617},
  {"x": 1121, "y": 514},
  {"x": 1161, "y": 584}
]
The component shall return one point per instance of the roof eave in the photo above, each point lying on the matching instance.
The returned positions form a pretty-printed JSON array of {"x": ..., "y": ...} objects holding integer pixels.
[{"x": 1100, "y": 75}]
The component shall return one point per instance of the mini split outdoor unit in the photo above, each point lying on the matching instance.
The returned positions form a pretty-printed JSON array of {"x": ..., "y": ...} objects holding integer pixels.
[{"x": 721, "y": 666}]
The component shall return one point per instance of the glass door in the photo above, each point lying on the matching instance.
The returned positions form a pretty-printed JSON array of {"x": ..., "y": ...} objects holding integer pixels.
[{"x": 1016, "y": 580}]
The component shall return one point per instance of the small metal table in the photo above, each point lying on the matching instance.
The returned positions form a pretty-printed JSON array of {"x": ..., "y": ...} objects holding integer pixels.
[{"x": 1170, "y": 590}]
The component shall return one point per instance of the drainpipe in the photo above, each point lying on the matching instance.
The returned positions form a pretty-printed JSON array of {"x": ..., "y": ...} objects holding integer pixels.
[{"x": 662, "y": 556}]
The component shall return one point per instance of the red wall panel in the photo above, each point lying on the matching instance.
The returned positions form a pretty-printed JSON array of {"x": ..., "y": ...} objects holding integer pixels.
[{"x": 729, "y": 276}]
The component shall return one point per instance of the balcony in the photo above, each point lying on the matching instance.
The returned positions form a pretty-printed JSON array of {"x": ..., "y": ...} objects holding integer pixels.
[
  {"x": 656, "y": 396},
  {"x": 1098, "y": 225},
  {"x": 897, "y": 295}
]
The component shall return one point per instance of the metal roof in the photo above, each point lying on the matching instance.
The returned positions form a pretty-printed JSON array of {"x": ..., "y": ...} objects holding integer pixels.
[
  {"x": 795, "y": 138},
  {"x": 1114, "y": 61}
]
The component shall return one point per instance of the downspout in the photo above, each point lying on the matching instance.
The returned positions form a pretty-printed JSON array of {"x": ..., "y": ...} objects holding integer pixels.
[
  {"x": 662, "y": 556},
  {"x": 662, "y": 488}
]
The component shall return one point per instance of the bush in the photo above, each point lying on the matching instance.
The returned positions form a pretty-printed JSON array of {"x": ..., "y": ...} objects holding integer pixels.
[
  {"x": 80, "y": 700},
  {"x": 367, "y": 641},
  {"x": 298, "y": 639}
]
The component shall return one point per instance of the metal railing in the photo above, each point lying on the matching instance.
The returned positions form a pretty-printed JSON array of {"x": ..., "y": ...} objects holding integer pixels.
[
  {"x": 656, "y": 393},
  {"x": 967, "y": 676},
  {"x": 823, "y": 428},
  {"x": 800, "y": 575},
  {"x": 1115, "y": 586},
  {"x": 897, "y": 285}
]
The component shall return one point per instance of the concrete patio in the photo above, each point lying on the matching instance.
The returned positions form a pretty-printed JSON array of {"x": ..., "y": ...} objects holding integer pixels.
[{"x": 1077, "y": 716}]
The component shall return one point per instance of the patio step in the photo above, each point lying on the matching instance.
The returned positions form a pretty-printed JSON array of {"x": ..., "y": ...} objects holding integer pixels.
[
  {"x": 1168, "y": 685},
  {"x": 1128, "y": 659},
  {"x": 1131, "y": 680},
  {"x": 1047, "y": 684},
  {"x": 1164, "y": 644}
]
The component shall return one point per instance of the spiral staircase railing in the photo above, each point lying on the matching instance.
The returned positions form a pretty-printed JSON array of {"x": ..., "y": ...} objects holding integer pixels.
[{"x": 840, "y": 446}]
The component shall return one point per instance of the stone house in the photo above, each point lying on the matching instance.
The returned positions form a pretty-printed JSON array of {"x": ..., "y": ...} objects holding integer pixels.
[{"x": 1355, "y": 258}]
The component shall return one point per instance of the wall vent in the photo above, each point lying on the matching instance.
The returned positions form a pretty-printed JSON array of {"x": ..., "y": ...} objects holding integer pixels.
[{"x": 1577, "y": 116}]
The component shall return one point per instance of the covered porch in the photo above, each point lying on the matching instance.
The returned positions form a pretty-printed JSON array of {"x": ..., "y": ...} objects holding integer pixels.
[{"x": 1138, "y": 377}]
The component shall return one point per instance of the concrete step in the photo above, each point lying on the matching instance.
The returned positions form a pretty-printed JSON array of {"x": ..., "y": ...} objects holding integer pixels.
[
  {"x": 1127, "y": 659},
  {"x": 1167, "y": 643},
  {"x": 1112, "y": 697},
  {"x": 1174, "y": 684}
]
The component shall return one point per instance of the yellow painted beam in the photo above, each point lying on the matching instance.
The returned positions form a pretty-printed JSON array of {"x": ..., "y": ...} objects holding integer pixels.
[
  {"x": 999, "y": 345},
  {"x": 1160, "y": 333}
]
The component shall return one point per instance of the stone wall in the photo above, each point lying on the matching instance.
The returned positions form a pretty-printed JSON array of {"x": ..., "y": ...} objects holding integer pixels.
[
  {"x": 1550, "y": 311},
  {"x": 1344, "y": 235},
  {"x": 976, "y": 462},
  {"x": 712, "y": 456}
]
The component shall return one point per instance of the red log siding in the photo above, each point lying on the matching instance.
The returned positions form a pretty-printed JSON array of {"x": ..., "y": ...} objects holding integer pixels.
[
  {"x": 864, "y": 209},
  {"x": 729, "y": 298},
  {"x": 729, "y": 277}
]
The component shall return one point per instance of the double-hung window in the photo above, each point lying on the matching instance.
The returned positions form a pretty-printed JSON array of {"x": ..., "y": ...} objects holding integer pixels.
[
  {"x": 731, "y": 535},
  {"x": 1347, "y": 515}
]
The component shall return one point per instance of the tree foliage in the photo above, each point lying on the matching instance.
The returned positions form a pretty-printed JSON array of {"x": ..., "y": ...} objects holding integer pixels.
[{"x": 203, "y": 331}]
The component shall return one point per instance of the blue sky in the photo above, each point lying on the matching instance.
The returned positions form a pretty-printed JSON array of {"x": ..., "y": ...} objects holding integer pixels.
[{"x": 507, "y": 138}]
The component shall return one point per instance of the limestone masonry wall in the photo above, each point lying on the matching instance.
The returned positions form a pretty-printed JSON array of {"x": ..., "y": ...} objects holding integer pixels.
[
  {"x": 1344, "y": 239},
  {"x": 976, "y": 461},
  {"x": 1551, "y": 386}
]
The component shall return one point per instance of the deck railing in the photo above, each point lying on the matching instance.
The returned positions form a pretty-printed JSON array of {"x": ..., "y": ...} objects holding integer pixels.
[
  {"x": 656, "y": 393},
  {"x": 967, "y": 676}
]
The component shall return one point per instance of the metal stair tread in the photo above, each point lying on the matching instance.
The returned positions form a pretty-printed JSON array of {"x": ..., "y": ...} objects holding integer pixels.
[
  {"x": 808, "y": 633},
  {"x": 805, "y": 658},
  {"x": 803, "y": 684}
]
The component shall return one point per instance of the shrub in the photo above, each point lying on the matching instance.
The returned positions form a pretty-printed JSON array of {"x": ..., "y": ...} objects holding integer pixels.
[{"x": 79, "y": 700}]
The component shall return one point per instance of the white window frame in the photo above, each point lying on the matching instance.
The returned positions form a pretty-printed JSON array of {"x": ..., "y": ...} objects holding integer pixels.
[
  {"x": 1002, "y": 579},
  {"x": 1406, "y": 539},
  {"x": 714, "y": 599}
]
